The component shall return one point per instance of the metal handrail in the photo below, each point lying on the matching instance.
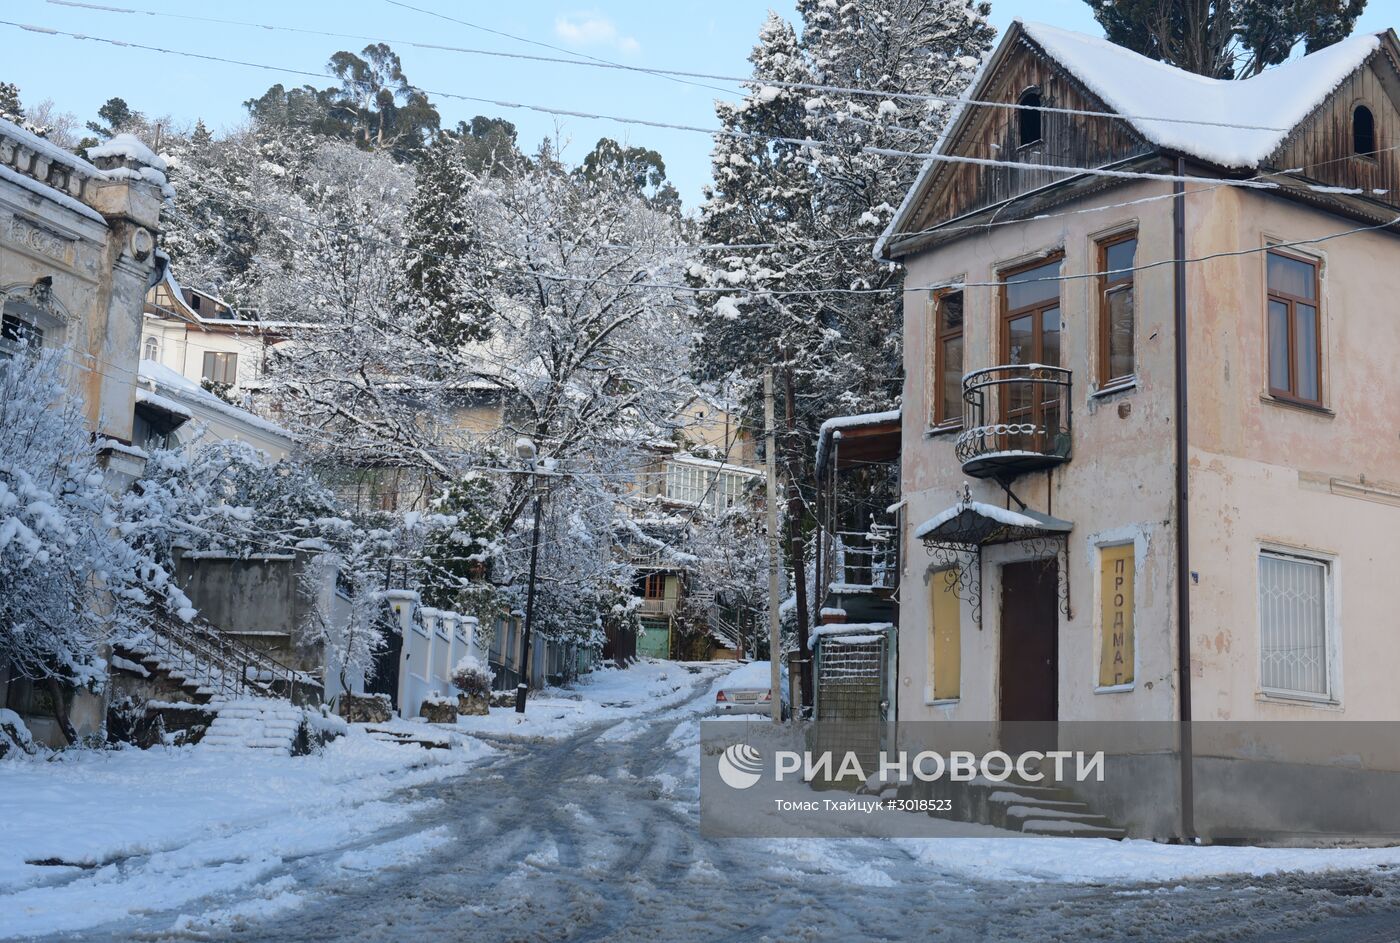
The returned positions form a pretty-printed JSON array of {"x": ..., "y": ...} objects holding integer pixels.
[
  {"x": 228, "y": 667},
  {"x": 988, "y": 426}
]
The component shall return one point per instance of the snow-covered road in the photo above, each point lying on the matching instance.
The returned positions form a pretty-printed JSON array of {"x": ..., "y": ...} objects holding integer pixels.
[{"x": 595, "y": 836}]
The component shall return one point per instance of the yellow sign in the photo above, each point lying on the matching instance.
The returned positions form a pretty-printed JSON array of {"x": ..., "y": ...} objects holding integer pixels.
[{"x": 1116, "y": 612}]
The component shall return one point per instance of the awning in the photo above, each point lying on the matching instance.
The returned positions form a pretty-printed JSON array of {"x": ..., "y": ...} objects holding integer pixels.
[{"x": 975, "y": 524}]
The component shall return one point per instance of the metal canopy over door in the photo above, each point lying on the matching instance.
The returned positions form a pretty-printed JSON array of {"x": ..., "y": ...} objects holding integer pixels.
[{"x": 1029, "y": 649}]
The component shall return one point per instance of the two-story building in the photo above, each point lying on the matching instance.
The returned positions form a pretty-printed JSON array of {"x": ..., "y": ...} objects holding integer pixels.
[{"x": 1151, "y": 432}]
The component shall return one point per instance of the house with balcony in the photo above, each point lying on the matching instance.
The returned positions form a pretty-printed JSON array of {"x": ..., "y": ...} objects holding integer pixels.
[
  {"x": 1150, "y": 463},
  {"x": 704, "y": 471}
]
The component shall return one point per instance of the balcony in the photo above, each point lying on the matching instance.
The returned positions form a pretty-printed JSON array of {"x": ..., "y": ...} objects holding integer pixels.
[{"x": 1016, "y": 419}]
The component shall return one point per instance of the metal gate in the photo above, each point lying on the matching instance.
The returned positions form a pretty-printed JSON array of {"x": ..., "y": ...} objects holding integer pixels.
[{"x": 851, "y": 703}]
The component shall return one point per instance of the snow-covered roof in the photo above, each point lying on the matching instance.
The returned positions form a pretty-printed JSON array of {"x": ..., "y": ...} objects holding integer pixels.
[
  {"x": 837, "y": 424},
  {"x": 1146, "y": 91},
  {"x": 162, "y": 403},
  {"x": 975, "y": 522},
  {"x": 165, "y": 380},
  {"x": 1171, "y": 108},
  {"x": 866, "y": 630}
]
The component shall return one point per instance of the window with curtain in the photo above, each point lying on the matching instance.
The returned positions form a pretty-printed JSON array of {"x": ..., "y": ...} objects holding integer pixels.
[{"x": 220, "y": 367}]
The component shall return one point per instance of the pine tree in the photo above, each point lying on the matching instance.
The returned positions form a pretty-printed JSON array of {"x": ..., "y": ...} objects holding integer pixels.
[
  {"x": 818, "y": 306},
  {"x": 440, "y": 238}
]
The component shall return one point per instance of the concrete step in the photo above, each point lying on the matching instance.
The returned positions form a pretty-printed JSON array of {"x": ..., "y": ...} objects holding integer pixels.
[{"x": 1071, "y": 829}]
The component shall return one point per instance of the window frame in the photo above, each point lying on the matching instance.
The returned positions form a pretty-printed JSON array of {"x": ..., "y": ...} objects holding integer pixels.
[
  {"x": 1023, "y": 110},
  {"x": 1009, "y": 314},
  {"x": 225, "y": 361},
  {"x": 1105, "y": 285},
  {"x": 1331, "y": 634},
  {"x": 1371, "y": 115},
  {"x": 1291, "y": 301},
  {"x": 942, "y": 417}
]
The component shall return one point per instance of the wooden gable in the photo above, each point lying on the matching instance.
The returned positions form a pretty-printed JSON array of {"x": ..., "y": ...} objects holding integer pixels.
[
  {"x": 990, "y": 133},
  {"x": 1322, "y": 149}
]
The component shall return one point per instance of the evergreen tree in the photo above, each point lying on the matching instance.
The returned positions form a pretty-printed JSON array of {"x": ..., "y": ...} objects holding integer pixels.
[
  {"x": 440, "y": 239},
  {"x": 1233, "y": 39}
]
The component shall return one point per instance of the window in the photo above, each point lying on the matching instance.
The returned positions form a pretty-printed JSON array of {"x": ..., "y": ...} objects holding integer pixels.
[
  {"x": 1116, "y": 632},
  {"x": 652, "y": 586},
  {"x": 947, "y": 358},
  {"x": 1295, "y": 349},
  {"x": 1363, "y": 132},
  {"x": 221, "y": 368},
  {"x": 1293, "y": 635},
  {"x": 1028, "y": 117},
  {"x": 945, "y": 637},
  {"x": 1116, "y": 303},
  {"x": 696, "y": 484},
  {"x": 1030, "y": 334},
  {"x": 17, "y": 332},
  {"x": 151, "y": 349}
]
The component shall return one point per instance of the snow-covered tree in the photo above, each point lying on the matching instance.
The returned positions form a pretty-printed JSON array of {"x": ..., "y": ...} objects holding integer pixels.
[
  {"x": 798, "y": 290},
  {"x": 70, "y": 576}
]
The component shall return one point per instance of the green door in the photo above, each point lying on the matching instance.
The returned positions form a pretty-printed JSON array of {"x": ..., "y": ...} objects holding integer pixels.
[{"x": 655, "y": 640}]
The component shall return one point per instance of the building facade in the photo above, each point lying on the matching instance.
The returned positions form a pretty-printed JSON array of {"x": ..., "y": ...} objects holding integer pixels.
[{"x": 1150, "y": 469}]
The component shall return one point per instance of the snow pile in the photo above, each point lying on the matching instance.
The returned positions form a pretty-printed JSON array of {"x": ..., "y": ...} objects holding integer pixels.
[
  {"x": 128, "y": 147},
  {"x": 1000, "y": 515},
  {"x": 138, "y": 831}
]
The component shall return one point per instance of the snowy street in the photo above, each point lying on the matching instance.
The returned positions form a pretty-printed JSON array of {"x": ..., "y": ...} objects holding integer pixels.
[{"x": 588, "y": 830}]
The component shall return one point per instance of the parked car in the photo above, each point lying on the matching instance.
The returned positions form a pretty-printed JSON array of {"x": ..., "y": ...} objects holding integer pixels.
[{"x": 749, "y": 690}]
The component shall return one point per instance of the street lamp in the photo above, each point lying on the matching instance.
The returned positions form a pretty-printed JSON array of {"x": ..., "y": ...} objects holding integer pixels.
[{"x": 527, "y": 452}]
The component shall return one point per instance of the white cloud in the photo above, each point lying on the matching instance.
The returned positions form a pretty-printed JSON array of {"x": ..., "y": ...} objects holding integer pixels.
[{"x": 593, "y": 29}]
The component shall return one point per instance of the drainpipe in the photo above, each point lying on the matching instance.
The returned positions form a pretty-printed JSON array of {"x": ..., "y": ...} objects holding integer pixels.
[{"x": 1183, "y": 534}]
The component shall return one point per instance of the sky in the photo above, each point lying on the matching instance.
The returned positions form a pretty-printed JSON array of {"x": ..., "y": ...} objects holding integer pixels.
[{"x": 713, "y": 37}]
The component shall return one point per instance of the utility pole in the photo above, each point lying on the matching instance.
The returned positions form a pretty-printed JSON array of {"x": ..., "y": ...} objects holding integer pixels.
[
  {"x": 802, "y": 682},
  {"x": 775, "y": 653},
  {"x": 526, "y": 450}
]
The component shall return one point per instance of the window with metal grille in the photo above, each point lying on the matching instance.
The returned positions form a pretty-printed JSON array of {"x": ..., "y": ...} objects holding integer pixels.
[{"x": 1293, "y": 625}]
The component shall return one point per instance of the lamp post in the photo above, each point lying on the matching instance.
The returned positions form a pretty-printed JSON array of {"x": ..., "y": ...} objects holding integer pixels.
[{"x": 526, "y": 450}]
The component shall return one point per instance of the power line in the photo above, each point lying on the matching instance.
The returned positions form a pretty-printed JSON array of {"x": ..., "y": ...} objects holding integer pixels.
[
  {"x": 714, "y": 132},
  {"x": 598, "y": 63}
]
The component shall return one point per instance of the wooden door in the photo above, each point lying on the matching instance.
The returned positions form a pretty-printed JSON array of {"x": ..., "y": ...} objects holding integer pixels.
[{"x": 1030, "y": 641}]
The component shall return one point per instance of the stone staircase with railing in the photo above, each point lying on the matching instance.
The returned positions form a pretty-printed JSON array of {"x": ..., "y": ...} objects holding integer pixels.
[{"x": 209, "y": 666}]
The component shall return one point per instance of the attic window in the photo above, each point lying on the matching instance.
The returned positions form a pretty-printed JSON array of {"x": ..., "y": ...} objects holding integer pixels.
[
  {"x": 1363, "y": 131},
  {"x": 1028, "y": 117}
]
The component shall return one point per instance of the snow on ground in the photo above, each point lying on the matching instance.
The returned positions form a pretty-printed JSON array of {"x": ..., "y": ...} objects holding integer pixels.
[
  {"x": 602, "y": 695},
  {"x": 981, "y": 852},
  {"x": 140, "y": 831}
]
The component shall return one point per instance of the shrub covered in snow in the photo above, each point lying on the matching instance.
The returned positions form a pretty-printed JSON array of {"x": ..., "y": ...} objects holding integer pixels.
[{"x": 472, "y": 678}]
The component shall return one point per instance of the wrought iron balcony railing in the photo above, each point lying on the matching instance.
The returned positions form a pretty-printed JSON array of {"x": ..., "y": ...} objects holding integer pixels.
[{"x": 1016, "y": 419}]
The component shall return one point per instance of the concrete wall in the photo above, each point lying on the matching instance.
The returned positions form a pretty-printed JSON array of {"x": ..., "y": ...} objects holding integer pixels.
[
  {"x": 1116, "y": 488},
  {"x": 1263, "y": 474}
]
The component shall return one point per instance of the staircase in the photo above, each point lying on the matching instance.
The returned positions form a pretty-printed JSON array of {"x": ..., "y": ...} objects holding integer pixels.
[
  {"x": 259, "y": 724},
  {"x": 210, "y": 666},
  {"x": 1018, "y": 806}
]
